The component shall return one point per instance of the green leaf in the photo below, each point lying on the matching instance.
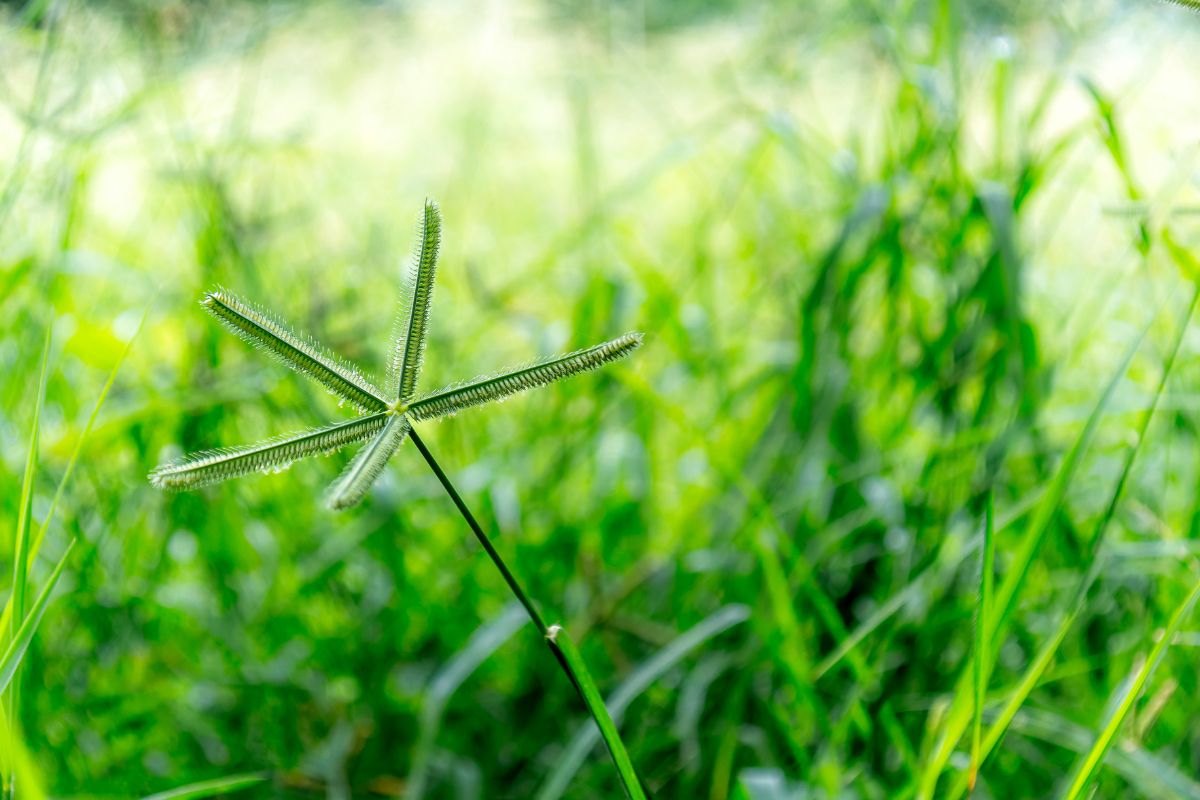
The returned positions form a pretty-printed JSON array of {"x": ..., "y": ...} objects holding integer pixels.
[
  {"x": 572, "y": 662},
  {"x": 631, "y": 688},
  {"x": 1132, "y": 690},
  {"x": 212, "y": 788}
]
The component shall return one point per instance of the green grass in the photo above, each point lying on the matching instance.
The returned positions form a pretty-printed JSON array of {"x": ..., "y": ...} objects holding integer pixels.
[{"x": 900, "y": 265}]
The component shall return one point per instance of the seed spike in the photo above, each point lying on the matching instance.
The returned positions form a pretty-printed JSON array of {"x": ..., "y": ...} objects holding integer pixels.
[
  {"x": 455, "y": 398},
  {"x": 365, "y": 467},
  {"x": 414, "y": 320},
  {"x": 269, "y": 333},
  {"x": 213, "y": 466}
]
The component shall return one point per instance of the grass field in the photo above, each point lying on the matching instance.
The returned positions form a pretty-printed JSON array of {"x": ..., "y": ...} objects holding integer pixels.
[{"x": 898, "y": 266}]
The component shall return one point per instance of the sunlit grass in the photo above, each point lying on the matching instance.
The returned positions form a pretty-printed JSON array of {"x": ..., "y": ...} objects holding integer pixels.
[{"x": 895, "y": 263}]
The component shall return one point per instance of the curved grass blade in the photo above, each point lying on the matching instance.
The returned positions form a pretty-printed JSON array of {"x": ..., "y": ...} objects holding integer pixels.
[
  {"x": 575, "y": 667},
  {"x": 270, "y": 334},
  {"x": 20, "y": 643},
  {"x": 212, "y": 788},
  {"x": 1152, "y": 776},
  {"x": 365, "y": 467},
  {"x": 1107, "y": 735},
  {"x": 455, "y": 398},
  {"x": 213, "y": 466},
  {"x": 486, "y": 640},
  {"x": 410, "y": 345},
  {"x": 632, "y": 687}
]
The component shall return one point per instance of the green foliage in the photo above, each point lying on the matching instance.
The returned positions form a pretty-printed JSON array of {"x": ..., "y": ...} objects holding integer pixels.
[{"x": 896, "y": 259}]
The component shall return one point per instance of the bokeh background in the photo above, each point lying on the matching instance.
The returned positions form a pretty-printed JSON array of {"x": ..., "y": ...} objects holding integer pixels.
[{"x": 887, "y": 257}]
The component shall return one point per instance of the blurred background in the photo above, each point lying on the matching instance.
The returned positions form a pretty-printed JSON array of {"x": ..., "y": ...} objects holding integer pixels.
[{"x": 888, "y": 257}]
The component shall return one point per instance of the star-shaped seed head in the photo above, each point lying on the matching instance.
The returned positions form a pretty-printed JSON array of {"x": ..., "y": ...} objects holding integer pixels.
[{"x": 385, "y": 414}]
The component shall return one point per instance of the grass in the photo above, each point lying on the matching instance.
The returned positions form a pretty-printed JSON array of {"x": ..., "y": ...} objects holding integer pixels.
[{"x": 908, "y": 268}]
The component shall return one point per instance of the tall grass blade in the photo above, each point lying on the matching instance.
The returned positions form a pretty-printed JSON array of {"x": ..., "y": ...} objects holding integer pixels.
[
  {"x": 1049, "y": 649},
  {"x": 1152, "y": 775},
  {"x": 212, "y": 788},
  {"x": 641, "y": 679},
  {"x": 573, "y": 663},
  {"x": 20, "y": 587},
  {"x": 958, "y": 718},
  {"x": 365, "y": 467},
  {"x": 271, "y": 335},
  {"x": 36, "y": 546},
  {"x": 24, "y": 510},
  {"x": 983, "y": 607},
  {"x": 1090, "y": 763},
  {"x": 274, "y": 455},
  {"x": 11, "y": 659},
  {"x": 410, "y": 344},
  {"x": 453, "y": 399}
]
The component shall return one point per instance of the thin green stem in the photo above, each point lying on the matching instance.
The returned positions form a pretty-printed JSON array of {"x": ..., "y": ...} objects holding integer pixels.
[
  {"x": 565, "y": 652},
  {"x": 480, "y": 535}
]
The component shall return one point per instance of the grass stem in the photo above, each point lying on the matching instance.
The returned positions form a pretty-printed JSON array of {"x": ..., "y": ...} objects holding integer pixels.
[{"x": 564, "y": 650}]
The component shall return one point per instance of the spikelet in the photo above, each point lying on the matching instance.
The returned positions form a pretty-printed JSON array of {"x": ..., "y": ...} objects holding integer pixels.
[
  {"x": 1194, "y": 5},
  {"x": 365, "y": 467},
  {"x": 484, "y": 390},
  {"x": 269, "y": 333},
  {"x": 273, "y": 455},
  {"x": 414, "y": 319}
]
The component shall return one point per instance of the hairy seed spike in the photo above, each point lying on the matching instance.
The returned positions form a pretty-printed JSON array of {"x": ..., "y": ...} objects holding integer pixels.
[
  {"x": 365, "y": 467},
  {"x": 414, "y": 319},
  {"x": 269, "y": 333},
  {"x": 213, "y": 466},
  {"x": 483, "y": 390}
]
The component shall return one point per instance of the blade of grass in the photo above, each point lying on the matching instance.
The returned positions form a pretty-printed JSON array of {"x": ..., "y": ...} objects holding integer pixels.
[
  {"x": 485, "y": 641},
  {"x": 11, "y": 659},
  {"x": 212, "y": 788},
  {"x": 572, "y": 660},
  {"x": 1152, "y": 775},
  {"x": 1090, "y": 763},
  {"x": 560, "y": 644},
  {"x": 20, "y": 583},
  {"x": 958, "y": 717},
  {"x": 36, "y": 547},
  {"x": 1093, "y": 564},
  {"x": 631, "y": 688}
]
